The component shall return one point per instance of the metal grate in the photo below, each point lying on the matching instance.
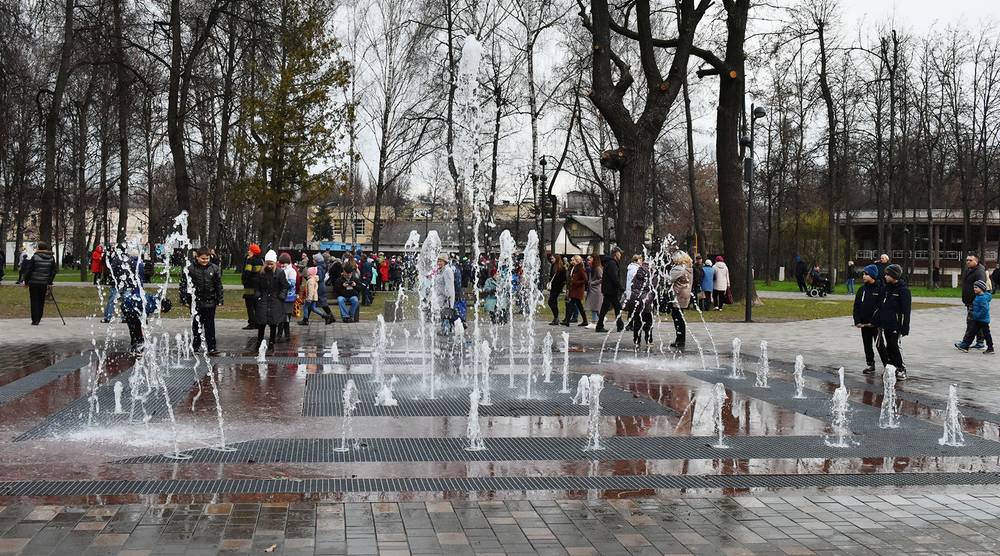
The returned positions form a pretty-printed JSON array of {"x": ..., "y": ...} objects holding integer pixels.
[
  {"x": 26, "y": 385},
  {"x": 484, "y": 484},
  {"x": 322, "y": 398},
  {"x": 323, "y": 360},
  {"x": 322, "y": 450},
  {"x": 180, "y": 382}
]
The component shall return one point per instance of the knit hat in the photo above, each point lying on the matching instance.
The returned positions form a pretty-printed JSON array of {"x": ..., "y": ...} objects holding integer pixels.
[
  {"x": 719, "y": 259},
  {"x": 981, "y": 284},
  {"x": 894, "y": 270},
  {"x": 285, "y": 258},
  {"x": 312, "y": 270},
  {"x": 871, "y": 270},
  {"x": 271, "y": 256},
  {"x": 254, "y": 249}
]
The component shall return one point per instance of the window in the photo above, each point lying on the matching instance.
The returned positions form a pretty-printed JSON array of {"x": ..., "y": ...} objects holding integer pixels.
[{"x": 359, "y": 226}]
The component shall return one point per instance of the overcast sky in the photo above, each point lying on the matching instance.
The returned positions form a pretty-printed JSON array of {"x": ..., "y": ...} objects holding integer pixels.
[{"x": 920, "y": 15}]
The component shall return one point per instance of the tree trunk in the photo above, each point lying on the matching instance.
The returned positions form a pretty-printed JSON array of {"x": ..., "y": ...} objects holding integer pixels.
[
  {"x": 52, "y": 125},
  {"x": 699, "y": 232},
  {"x": 632, "y": 216}
]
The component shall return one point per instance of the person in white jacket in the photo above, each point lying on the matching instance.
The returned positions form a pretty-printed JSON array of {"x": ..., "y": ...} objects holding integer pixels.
[
  {"x": 631, "y": 270},
  {"x": 721, "y": 283}
]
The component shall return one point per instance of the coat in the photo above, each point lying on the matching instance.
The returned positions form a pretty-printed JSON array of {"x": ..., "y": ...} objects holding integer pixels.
[
  {"x": 633, "y": 267},
  {"x": 557, "y": 281},
  {"x": 981, "y": 307},
  {"x": 443, "y": 284},
  {"x": 721, "y": 281},
  {"x": 894, "y": 314},
  {"x": 346, "y": 287},
  {"x": 867, "y": 302},
  {"x": 312, "y": 287},
  {"x": 577, "y": 282},
  {"x": 680, "y": 281},
  {"x": 321, "y": 299},
  {"x": 272, "y": 288},
  {"x": 642, "y": 296},
  {"x": 207, "y": 283},
  {"x": 611, "y": 284},
  {"x": 97, "y": 260},
  {"x": 707, "y": 279},
  {"x": 595, "y": 294},
  {"x": 252, "y": 267},
  {"x": 489, "y": 295},
  {"x": 697, "y": 277},
  {"x": 40, "y": 269},
  {"x": 383, "y": 270},
  {"x": 969, "y": 278}
]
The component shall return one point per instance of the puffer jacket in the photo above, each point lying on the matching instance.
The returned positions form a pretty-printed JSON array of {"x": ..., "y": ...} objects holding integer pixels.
[
  {"x": 272, "y": 287},
  {"x": 251, "y": 274},
  {"x": 981, "y": 307},
  {"x": 867, "y": 302},
  {"x": 680, "y": 281},
  {"x": 40, "y": 269},
  {"x": 707, "y": 278},
  {"x": 721, "y": 281},
  {"x": 894, "y": 314},
  {"x": 642, "y": 298},
  {"x": 207, "y": 282}
]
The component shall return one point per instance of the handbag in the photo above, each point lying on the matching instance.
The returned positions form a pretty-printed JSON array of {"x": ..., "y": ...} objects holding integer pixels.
[{"x": 729, "y": 295}]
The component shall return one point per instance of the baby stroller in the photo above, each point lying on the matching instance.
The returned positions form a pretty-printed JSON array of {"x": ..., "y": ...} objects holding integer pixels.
[{"x": 819, "y": 286}]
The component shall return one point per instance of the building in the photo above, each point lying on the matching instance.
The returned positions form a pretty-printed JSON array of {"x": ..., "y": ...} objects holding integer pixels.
[
  {"x": 581, "y": 235},
  {"x": 581, "y": 203},
  {"x": 350, "y": 224}
]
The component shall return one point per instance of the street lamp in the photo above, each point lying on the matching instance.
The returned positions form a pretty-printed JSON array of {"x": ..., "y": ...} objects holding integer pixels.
[{"x": 756, "y": 112}]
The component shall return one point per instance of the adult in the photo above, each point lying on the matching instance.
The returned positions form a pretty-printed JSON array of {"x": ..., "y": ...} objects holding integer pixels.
[
  {"x": 850, "y": 277},
  {"x": 3, "y": 263},
  {"x": 707, "y": 284},
  {"x": 867, "y": 302},
  {"x": 270, "y": 293},
  {"x": 366, "y": 279},
  {"x": 37, "y": 273},
  {"x": 720, "y": 283},
  {"x": 322, "y": 302},
  {"x": 133, "y": 298},
  {"x": 681, "y": 278},
  {"x": 611, "y": 289},
  {"x": 881, "y": 264},
  {"x": 20, "y": 258},
  {"x": 697, "y": 276},
  {"x": 443, "y": 284},
  {"x": 383, "y": 272},
  {"x": 800, "y": 273},
  {"x": 252, "y": 267},
  {"x": 974, "y": 271},
  {"x": 557, "y": 281},
  {"x": 894, "y": 317},
  {"x": 995, "y": 278},
  {"x": 114, "y": 267},
  {"x": 594, "y": 280},
  {"x": 577, "y": 292},
  {"x": 97, "y": 262}
]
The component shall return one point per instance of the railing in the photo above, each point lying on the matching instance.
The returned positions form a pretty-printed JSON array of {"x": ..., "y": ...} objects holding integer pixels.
[{"x": 919, "y": 254}]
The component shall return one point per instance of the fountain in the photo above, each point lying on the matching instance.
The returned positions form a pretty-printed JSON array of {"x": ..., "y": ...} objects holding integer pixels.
[
  {"x": 719, "y": 400},
  {"x": 839, "y": 413},
  {"x": 737, "y": 369},
  {"x": 350, "y": 400},
  {"x": 596, "y": 384},
  {"x": 484, "y": 362},
  {"x": 952, "y": 435},
  {"x": 582, "y": 396},
  {"x": 763, "y": 367},
  {"x": 384, "y": 396},
  {"x": 505, "y": 295},
  {"x": 379, "y": 346},
  {"x": 409, "y": 249},
  {"x": 119, "y": 387},
  {"x": 333, "y": 352},
  {"x": 531, "y": 267},
  {"x": 800, "y": 381},
  {"x": 565, "y": 370},
  {"x": 547, "y": 357},
  {"x": 889, "y": 416},
  {"x": 472, "y": 432},
  {"x": 430, "y": 305},
  {"x": 262, "y": 351}
]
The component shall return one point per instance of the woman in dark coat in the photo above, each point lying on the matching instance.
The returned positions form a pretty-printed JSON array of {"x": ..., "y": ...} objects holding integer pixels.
[
  {"x": 272, "y": 288},
  {"x": 557, "y": 281},
  {"x": 577, "y": 291}
]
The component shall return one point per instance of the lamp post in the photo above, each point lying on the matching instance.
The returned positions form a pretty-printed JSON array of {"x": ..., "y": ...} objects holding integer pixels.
[{"x": 756, "y": 112}]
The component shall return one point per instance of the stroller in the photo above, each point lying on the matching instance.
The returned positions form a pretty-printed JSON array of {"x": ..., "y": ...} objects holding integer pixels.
[{"x": 819, "y": 285}]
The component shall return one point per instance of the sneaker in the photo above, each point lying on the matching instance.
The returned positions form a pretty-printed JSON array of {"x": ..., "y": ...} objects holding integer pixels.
[
  {"x": 962, "y": 347},
  {"x": 303, "y": 323},
  {"x": 869, "y": 370},
  {"x": 330, "y": 320},
  {"x": 600, "y": 329},
  {"x": 988, "y": 351},
  {"x": 979, "y": 345},
  {"x": 900, "y": 374},
  {"x": 105, "y": 321},
  {"x": 247, "y": 327},
  {"x": 584, "y": 325},
  {"x": 554, "y": 323}
]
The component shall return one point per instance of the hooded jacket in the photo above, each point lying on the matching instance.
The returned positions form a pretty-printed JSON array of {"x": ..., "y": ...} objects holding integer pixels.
[
  {"x": 272, "y": 287},
  {"x": 707, "y": 278},
  {"x": 867, "y": 302},
  {"x": 981, "y": 307},
  {"x": 721, "y": 282},
  {"x": 40, "y": 269},
  {"x": 894, "y": 314}
]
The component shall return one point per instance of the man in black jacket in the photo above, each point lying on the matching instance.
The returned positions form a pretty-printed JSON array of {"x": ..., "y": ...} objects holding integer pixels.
[
  {"x": 866, "y": 305},
  {"x": 37, "y": 273},
  {"x": 893, "y": 317},
  {"x": 611, "y": 288},
  {"x": 973, "y": 272},
  {"x": 252, "y": 265},
  {"x": 206, "y": 287}
]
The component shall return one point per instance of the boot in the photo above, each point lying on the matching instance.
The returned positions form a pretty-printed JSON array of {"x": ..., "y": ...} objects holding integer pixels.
[
  {"x": 869, "y": 370},
  {"x": 304, "y": 322}
]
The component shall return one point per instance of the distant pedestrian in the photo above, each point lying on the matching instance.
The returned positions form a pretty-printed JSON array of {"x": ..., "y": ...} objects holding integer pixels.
[
  {"x": 867, "y": 302},
  {"x": 995, "y": 278},
  {"x": 697, "y": 275},
  {"x": 557, "y": 281},
  {"x": 894, "y": 317},
  {"x": 292, "y": 275},
  {"x": 252, "y": 267},
  {"x": 980, "y": 322},
  {"x": 681, "y": 279},
  {"x": 850, "y": 277},
  {"x": 881, "y": 264},
  {"x": 577, "y": 291},
  {"x": 38, "y": 273},
  {"x": 271, "y": 290},
  {"x": 633, "y": 267},
  {"x": 800, "y": 273},
  {"x": 611, "y": 289},
  {"x": 97, "y": 262},
  {"x": 720, "y": 283},
  {"x": 974, "y": 272},
  {"x": 595, "y": 278},
  {"x": 707, "y": 284}
]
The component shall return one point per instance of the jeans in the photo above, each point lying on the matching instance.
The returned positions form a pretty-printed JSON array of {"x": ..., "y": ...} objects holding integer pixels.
[
  {"x": 311, "y": 307},
  {"x": 969, "y": 321},
  {"x": 206, "y": 315},
  {"x": 346, "y": 313},
  {"x": 871, "y": 335},
  {"x": 850, "y": 285},
  {"x": 37, "y": 294},
  {"x": 109, "y": 306}
]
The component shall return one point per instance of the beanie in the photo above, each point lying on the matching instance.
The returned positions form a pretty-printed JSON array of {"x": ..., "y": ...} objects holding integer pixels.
[
  {"x": 894, "y": 270},
  {"x": 871, "y": 270},
  {"x": 981, "y": 284},
  {"x": 312, "y": 270},
  {"x": 254, "y": 249},
  {"x": 719, "y": 259},
  {"x": 271, "y": 256}
]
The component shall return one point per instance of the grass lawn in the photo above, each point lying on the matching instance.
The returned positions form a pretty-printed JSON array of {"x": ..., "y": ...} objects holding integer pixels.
[
  {"x": 77, "y": 301},
  {"x": 791, "y": 286},
  {"x": 229, "y": 275}
]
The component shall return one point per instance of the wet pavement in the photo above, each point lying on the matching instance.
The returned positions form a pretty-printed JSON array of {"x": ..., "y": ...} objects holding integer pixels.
[{"x": 74, "y": 474}]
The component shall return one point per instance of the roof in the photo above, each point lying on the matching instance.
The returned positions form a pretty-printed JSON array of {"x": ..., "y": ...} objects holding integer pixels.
[{"x": 941, "y": 216}]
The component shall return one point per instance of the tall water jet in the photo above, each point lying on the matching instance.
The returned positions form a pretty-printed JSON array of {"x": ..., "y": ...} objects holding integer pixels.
[
  {"x": 531, "y": 267},
  {"x": 582, "y": 396},
  {"x": 594, "y": 415},
  {"x": 430, "y": 304},
  {"x": 888, "y": 417},
  {"x": 350, "y": 400},
  {"x": 763, "y": 367},
  {"x": 379, "y": 346},
  {"x": 547, "y": 357},
  {"x": 953, "y": 435},
  {"x": 719, "y": 401},
  {"x": 484, "y": 363},
  {"x": 119, "y": 387},
  {"x": 800, "y": 381},
  {"x": 565, "y": 370},
  {"x": 737, "y": 368},
  {"x": 409, "y": 250},
  {"x": 840, "y": 420},
  {"x": 472, "y": 432},
  {"x": 505, "y": 295}
]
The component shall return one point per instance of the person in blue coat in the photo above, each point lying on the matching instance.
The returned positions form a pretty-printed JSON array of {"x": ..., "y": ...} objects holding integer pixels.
[
  {"x": 979, "y": 323},
  {"x": 707, "y": 285}
]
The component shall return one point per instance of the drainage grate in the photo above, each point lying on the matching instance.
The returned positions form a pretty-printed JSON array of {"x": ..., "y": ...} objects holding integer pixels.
[
  {"x": 322, "y": 450},
  {"x": 180, "y": 382},
  {"x": 347, "y": 361},
  {"x": 484, "y": 484},
  {"x": 26, "y": 385},
  {"x": 322, "y": 398}
]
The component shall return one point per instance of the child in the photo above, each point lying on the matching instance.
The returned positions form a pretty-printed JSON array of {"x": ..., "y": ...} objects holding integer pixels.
[
  {"x": 206, "y": 286},
  {"x": 311, "y": 298},
  {"x": 867, "y": 301},
  {"x": 980, "y": 321},
  {"x": 893, "y": 318}
]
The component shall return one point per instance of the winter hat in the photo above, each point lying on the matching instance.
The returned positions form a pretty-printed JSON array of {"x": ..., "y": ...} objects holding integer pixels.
[
  {"x": 312, "y": 270},
  {"x": 871, "y": 270},
  {"x": 254, "y": 249},
  {"x": 285, "y": 258},
  {"x": 719, "y": 259},
  {"x": 708, "y": 262},
  {"x": 981, "y": 284},
  {"x": 318, "y": 257},
  {"x": 271, "y": 256},
  {"x": 894, "y": 270}
]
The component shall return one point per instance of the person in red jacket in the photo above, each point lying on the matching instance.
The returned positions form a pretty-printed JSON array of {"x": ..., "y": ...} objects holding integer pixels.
[
  {"x": 97, "y": 262},
  {"x": 383, "y": 272}
]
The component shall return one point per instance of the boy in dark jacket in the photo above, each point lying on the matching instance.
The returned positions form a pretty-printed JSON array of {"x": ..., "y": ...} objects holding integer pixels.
[
  {"x": 893, "y": 317},
  {"x": 866, "y": 305},
  {"x": 979, "y": 323},
  {"x": 205, "y": 285}
]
